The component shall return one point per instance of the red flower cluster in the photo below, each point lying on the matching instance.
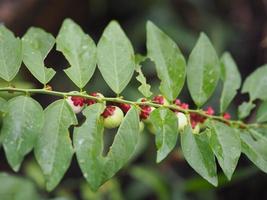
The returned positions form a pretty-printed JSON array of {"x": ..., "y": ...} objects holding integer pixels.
[
  {"x": 181, "y": 104},
  {"x": 159, "y": 99},
  {"x": 124, "y": 107},
  {"x": 91, "y": 101},
  {"x": 109, "y": 110},
  {"x": 77, "y": 101},
  {"x": 196, "y": 119},
  {"x": 145, "y": 110}
]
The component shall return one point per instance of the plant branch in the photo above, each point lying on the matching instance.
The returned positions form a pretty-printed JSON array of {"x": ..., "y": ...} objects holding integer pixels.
[{"x": 45, "y": 91}]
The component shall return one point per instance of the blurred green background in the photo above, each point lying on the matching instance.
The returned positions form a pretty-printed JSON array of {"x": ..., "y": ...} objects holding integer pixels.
[{"x": 237, "y": 26}]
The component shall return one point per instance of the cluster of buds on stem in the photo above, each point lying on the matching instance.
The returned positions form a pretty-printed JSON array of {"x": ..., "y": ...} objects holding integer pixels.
[{"x": 114, "y": 114}]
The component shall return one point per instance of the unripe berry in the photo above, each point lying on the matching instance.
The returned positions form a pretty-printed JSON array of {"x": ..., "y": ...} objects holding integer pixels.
[
  {"x": 113, "y": 116},
  {"x": 159, "y": 99},
  {"x": 182, "y": 120},
  {"x": 76, "y": 103}
]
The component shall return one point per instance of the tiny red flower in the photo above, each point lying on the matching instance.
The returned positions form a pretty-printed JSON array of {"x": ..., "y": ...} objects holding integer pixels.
[
  {"x": 184, "y": 106},
  {"x": 177, "y": 102},
  {"x": 226, "y": 116},
  {"x": 210, "y": 111}
]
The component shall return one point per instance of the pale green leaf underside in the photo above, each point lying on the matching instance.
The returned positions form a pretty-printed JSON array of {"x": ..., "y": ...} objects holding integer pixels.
[
  {"x": 169, "y": 61},
  {"x": 256, "y": 84},
  {"x": 226, "y": 145},
  {"x": 244, "y": 109},
  {"x": 80, "y": 51},
  {"x": 203, "y": 70},
  {"x": 21, "y": 127},
  {"x": 199, "y": 155},
  {"x": 254, "y": 147},
  {"x": 54, "y": 150},
  {"x": 166, "y": 126},
  {"x": 231, "y": 80},
  {"x": 88, "y": 142},
  {"x": 262, "y": 113},
  {"x": 115, "y": 57},
  {"x": 10, "y": 54},
  {"x": 36, "y": 44}
]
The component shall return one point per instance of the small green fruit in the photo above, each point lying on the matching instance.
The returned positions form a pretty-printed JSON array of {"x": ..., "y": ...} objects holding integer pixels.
[
  {"x": 76, "y": 103},
  {"x": 182, "y": 121},
  {"x": 113, "y": 117}
]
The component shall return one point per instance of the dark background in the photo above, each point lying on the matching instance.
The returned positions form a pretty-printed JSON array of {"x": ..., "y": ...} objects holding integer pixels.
[{"x": 237, "y": 26}]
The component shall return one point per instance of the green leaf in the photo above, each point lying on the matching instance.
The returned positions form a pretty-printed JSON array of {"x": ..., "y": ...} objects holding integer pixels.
[
  {"x": 54, "y": 150},
  {"x": 244, "y": 109},
  {"x": 144, "y": 88},
  {"x": 88, "y": 142},
  {"x": 10, "y": 54},
  {"x": 2, "y": 106},
  {"x": 17, "y": 188},
  {"x": 125, "y": 143},
  {"x": 21, "y": 126},
  {"x": 199, "y": 155},
  {"x": 169, "y": 61},
  {"x": 115, "y": 57},
  {"x": 254, "y": 147},
  {"x": 166, "y": 125},
  {"x": 203, "y": 70},
  {"x": 262, "y": 113},
  {"x": 80, "y": 51},
  {"x": 256, "y": 84},
  {"x": 153, "y": 179},
  {"x": 226, "y": 145},
  {"x": 36, "y": 44},
  {"x": 231, "y": 78}
]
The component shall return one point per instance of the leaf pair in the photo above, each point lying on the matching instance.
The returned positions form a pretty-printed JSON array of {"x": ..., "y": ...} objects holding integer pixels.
[
  {"x": 219, "y": 140},
  {"x": 26, "y": 126},
  {"x": 114, "y": 55},
  {"x": 88, "y": 143}
]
